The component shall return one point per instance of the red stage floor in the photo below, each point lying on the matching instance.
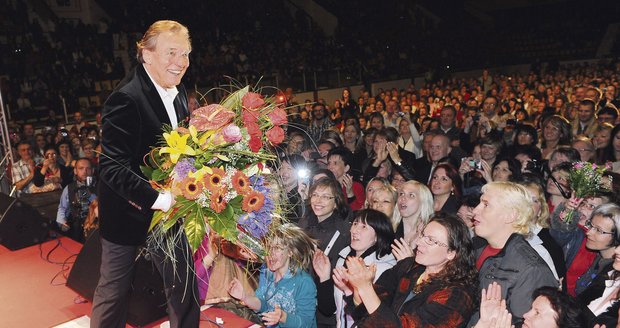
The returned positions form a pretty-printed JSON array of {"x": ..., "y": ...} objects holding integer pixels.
[{"x": 34, "y": 294}]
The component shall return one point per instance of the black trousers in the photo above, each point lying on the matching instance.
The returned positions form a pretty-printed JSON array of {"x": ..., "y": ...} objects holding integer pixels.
[{"x": 117, "y": 269}]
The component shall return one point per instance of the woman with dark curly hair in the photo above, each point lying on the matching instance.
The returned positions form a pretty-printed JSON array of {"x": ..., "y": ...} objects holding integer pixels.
[{"x": 436, "y": 289}]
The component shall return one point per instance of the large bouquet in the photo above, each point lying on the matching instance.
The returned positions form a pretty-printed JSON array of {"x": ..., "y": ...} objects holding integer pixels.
[
  {"x": 586, "y": 180},
  {"x": 216, "y": 167}
]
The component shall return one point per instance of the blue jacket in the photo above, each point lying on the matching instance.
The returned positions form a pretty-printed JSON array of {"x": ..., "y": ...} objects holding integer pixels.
[{"x": 294, "y": 293}]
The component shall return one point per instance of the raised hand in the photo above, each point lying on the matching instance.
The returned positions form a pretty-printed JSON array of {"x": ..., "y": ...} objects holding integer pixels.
[
  {"x": 321, "y": 265},
  {"x": 401, "y": 249},
  {"x": 491, "y": 304},
  {"x": 340, "y": 280},
  {"x": 347, "y": 183},
  {"x": 486, "y": 171},
  {"x": 465, "y": 167},
  {"x": 359, "y": 274},
  {"x": 392, "y": 149}
]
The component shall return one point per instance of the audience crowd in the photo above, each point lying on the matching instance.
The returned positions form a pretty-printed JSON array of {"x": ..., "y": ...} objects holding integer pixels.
[
  {"x": 419, "y": 201},
  {"x": 443, "y": 205}
]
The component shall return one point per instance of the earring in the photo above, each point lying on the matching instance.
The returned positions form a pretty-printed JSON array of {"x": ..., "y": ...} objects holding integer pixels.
[{"x": 452, "y": 192}]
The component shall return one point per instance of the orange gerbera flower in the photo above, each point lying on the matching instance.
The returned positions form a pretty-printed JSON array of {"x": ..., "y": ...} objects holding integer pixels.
[
  {"x": 191, "y": 188},
  {"x": 217, "y": 201},
  {"x": 241, "y": 183},
  {"x": 253, "y": 201},
  {"x": 213, "y": 181}
]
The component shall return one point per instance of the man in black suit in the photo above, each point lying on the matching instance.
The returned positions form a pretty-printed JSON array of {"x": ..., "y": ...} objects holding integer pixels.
[{"x": 133, "y": 116}]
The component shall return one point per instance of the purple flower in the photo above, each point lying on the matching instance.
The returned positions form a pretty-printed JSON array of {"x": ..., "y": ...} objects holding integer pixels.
[
  {"x": 256, "y": 225},
  {"x": 183, "y": 167}
]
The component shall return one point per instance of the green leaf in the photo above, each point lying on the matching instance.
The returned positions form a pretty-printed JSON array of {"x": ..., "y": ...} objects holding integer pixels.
[
  {"x": 224, "y": 223},
  {"x": 159, "y": 175},
  {"x": 236, "y": 202},
  {"x": 147, "y": 171},
  {"x": 157, "y": 217},
  {"x": 195, "y": 229},
  {"x": 234, "y": 100},
  {"x": 184, "y": 207}
]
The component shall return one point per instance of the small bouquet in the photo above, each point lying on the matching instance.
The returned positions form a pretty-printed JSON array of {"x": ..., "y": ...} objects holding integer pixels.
[
  {"x": 216, "y": 167},
  {"x": 586, "y": 180}
]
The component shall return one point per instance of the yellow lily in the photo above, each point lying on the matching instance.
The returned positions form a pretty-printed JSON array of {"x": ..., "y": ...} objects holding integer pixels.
[
  {"x": 199, "y": 174},
  {"x": 177, "y": 146}
]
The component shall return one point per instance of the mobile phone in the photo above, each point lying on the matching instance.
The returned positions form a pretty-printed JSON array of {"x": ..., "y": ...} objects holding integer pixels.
[{"x": 475, "y": 164}]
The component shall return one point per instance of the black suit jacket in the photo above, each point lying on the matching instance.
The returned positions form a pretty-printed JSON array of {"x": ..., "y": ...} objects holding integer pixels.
[{"x": 132, "y": 120}]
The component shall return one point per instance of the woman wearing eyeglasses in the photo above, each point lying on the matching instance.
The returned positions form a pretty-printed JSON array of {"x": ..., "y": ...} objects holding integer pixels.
[
  {"x": 437, "y": 289},
  {"x": 327, "y": 223},
  {"x": 588, "y": 246},
  {"x": 603, "y": 292}
]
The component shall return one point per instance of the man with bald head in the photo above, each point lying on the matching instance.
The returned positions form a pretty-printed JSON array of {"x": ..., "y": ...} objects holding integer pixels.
[{"x": 437, "y": 153}]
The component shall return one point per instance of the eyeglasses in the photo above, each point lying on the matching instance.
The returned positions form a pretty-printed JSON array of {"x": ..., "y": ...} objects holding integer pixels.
[
  {"x": 596, "y": 229},
  {"x": 321, "y": 197},
  {"x": 50, "y": 155},
  {"x": 430, "y": 241}
]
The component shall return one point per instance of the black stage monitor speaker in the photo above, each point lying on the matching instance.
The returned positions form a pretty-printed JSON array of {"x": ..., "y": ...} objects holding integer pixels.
[
  {"x": 147, "y": 302},
  {"x": 21, "y": 225},
  {"x": 46, "y": 203}
]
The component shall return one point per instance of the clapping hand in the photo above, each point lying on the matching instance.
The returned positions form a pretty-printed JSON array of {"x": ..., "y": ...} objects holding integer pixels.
[
  {"x": 321, "y": 265},
  {"x": 347, "y": 183},
  {"x": 274, "y": 317},
  {"x": 339, "y": 277},
  {"x": 493, "y": 313},
  {"x": 358, "y": 273},
  {"x": 401, "y": 249}
]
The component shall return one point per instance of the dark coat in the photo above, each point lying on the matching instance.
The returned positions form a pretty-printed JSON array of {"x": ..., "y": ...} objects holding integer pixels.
[
  {"x": 435, "y": 305},
  {"x": 132, "y": 119},
  {"x": 323, "y": 232},
  {"x": 519, "y": 270},
  {"x": 595, "y": 290}
]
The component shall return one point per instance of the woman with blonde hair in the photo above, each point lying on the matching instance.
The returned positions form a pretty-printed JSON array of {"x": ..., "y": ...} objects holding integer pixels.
[
  {"x": 540, "y": 239},
  {"x": 286, "y": 293},
  {"x": 384, "y": 199},
  {"x": 415, "y": 205}
]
